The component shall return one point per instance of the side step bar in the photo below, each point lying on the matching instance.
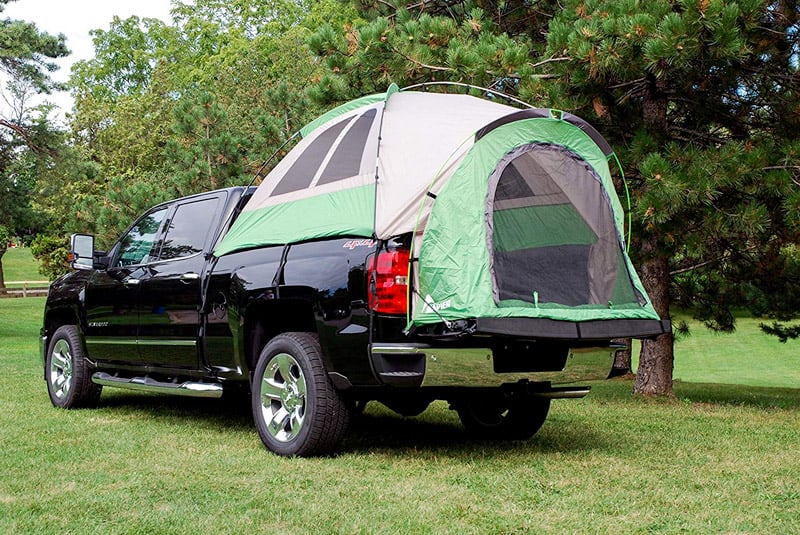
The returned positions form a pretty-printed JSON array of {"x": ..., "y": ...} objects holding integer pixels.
[{"x": 148, "y": 384}]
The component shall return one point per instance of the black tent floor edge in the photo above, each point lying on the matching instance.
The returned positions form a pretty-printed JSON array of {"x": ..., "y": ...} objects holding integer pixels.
[{"x": 569, "y": 330}]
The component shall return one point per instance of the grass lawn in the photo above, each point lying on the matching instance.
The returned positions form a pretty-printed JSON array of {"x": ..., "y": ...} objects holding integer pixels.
[
  {"x": 746, "y": 357},
  {"x": 20, "y": 265},
  {"x": 721, "y": 458}
]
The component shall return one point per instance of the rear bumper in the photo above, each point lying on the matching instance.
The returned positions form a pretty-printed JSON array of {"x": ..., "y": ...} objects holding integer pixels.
[
  {"x": 420, "y": 365},
  {"x": 569, "y": 331}
]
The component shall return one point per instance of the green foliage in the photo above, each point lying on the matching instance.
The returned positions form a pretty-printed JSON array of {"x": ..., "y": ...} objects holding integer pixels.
[
  {"x": 783, "y": 332},
  {"x": 52, "y": 253},
  {"x": 405, "y": 43},
  {"x": 5, "y": 238},
  {"x": 205, "y": 154},
  {"x": 28, "y": 140},
  {"x": 170, "y": 110}
]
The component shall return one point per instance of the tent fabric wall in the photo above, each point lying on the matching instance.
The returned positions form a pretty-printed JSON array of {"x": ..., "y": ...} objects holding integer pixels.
[{"x": 455, "y": 263}]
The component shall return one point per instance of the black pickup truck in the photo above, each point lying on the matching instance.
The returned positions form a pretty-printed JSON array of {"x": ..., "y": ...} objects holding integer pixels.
[
  {"x": 312, "y": 292},
  {"x": 158, "y": 312}
]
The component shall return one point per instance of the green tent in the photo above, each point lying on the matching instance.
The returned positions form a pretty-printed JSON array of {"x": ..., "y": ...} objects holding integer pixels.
[{"x": 512, "y": 213}]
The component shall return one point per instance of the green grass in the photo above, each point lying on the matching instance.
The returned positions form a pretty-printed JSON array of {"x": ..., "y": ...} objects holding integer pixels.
[
  {"x": 20, "y": 265},
  {"x": 719, "y": 459},
  {"x": 746, "y": 357}
]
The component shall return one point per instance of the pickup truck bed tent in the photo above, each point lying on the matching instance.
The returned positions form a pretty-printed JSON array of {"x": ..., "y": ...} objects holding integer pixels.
[{"x": 516, "y": 210}]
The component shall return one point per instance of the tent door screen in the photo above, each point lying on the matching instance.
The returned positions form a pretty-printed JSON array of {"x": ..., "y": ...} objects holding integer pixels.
[{"x": 551, "y": 232}]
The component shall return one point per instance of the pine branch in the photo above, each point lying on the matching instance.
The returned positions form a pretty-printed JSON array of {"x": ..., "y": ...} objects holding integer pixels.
[
  {"x": 699, "y": 135},
  {"x": 783, "y": 332},
  {"x": 420, "y": 64},
  {"x": 795, "y": 180},
  {"x": 627, "y": 84},
  {"x": 21, "y": 132},
  {"x": 549, "y": 60},
  {"x": 697, "y": 266}
]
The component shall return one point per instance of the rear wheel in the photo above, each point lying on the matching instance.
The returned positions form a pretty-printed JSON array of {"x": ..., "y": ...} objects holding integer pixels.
[
  {"x": 502, "y": 417},
  {"x": 296, "y": 409},
  {"x": 69, "y": 381}
]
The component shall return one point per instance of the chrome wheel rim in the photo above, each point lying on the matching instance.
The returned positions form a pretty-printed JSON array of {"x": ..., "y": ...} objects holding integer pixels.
[
  {"x": 283, "y": 397},
  {"x": 61, "y": 369}
]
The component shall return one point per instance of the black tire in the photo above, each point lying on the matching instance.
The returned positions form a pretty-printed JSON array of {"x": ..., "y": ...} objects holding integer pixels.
[
  {"x": 296, "y": 409},
  {"x": 68, "y": 373},
  {"x": 503, "y": 418}
]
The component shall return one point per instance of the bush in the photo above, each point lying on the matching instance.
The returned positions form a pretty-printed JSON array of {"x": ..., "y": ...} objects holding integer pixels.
[
  {"x": 5, "y": 237},
  {"x": 52, "y": 252}
]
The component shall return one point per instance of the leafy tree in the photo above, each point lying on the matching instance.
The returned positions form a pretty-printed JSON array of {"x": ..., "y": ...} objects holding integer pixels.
[
  {"x": 485, "y": 43},
  {"x": 27, "y": 54},
  {"x": 206, "y": 155},
  {"x": 167, "y": 110},
  {"x": 701, "y": 95}
]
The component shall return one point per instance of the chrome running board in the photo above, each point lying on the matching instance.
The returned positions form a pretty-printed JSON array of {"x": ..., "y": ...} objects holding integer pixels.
[{"x": 148, "y": 384}]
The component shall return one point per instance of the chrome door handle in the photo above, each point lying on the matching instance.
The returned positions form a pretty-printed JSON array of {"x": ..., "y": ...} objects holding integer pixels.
[
  {"x": 188, "y": 277},
  {"x": 131, "y": 282}
]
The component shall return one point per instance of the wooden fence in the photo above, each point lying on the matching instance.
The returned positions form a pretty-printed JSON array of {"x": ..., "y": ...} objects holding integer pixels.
[{"x": 25, "y": 288}]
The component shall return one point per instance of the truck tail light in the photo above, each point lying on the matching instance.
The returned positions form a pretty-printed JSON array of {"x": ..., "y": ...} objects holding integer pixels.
[{"x": 388, "y": 282}]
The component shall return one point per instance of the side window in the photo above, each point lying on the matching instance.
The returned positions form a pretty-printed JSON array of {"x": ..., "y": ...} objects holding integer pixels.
[
  {"x": 188, "y": 229},
  {"x": 138, "y": 245}
]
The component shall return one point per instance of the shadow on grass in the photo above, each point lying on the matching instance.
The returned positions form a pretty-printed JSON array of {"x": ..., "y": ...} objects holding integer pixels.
[
  {"x": 739, "y": 395},
  {"x": 225, "y": 413},
  {"x": 370, "y": 433},
  {"x": 435, "y": 431},
  {"x": 761, "y": 397}
]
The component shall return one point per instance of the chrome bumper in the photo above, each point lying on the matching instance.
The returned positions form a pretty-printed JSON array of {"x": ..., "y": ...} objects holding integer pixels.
[{"x": 422, "y": 365}]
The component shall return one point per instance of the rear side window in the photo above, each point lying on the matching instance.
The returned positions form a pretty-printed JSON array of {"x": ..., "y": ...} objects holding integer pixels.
[
  {"x": 188, "y": 229},
  {"x": 139, "y": 244}
]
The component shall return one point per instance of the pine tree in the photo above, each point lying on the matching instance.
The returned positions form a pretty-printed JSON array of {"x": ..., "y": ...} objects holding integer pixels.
[
  {"x": 700, "y": 98},
  {"x": 704, "y": 97}
]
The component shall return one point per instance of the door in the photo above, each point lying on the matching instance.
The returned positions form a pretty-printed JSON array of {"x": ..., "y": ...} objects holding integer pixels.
[
  {"x": 112, "y": 295},
  {"x": 170, "y": 288}
]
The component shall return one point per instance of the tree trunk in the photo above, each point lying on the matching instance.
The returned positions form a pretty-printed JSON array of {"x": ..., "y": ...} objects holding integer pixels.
[
  {"x": 654, "y": 376},
  {"x": 2, "y": 279}
]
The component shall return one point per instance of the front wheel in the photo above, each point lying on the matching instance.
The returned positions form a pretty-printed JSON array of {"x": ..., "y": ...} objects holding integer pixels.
[
  {"x": 296, "y": 409},
  {"x": 503, "y": 418},
  {"x": 68, "y": 374}
]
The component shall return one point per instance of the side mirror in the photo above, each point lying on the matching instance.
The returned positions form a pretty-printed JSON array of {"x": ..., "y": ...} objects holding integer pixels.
[{"x": 81, "y": 251}]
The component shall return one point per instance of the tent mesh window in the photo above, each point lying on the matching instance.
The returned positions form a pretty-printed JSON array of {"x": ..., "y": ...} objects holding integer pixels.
[
  {"x": 341, "y": 145},
  {"x": 551, "y": 232}
]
